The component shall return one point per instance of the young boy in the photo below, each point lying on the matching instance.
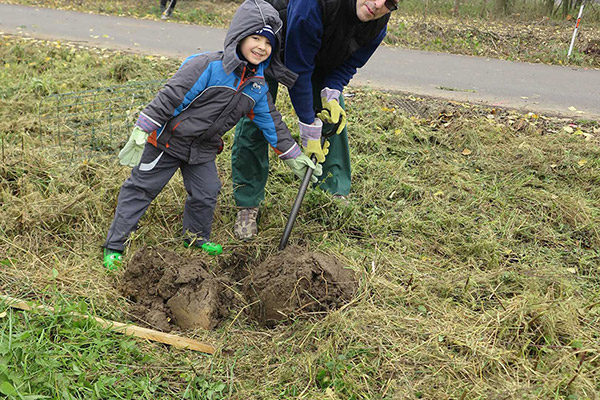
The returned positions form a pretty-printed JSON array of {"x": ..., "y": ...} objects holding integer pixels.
[{"x": 182, "y": 128}]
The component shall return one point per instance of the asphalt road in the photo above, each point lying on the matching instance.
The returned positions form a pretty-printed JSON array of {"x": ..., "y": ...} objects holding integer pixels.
[{"x": 558, "y": 90}]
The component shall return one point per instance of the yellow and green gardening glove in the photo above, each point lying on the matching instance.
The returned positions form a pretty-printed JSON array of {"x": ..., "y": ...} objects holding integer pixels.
[
  {"x": 300, "y": 164},
  {"x": 310, "y": 135},
  {"x": 332, "y": 112},
  {"x": 131, "y": 154}
]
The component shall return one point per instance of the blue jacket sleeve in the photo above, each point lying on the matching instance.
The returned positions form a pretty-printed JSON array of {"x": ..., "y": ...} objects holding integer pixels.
[
  {"x": 275, "y": 131},
  {"x": 339, "y": 78},
  {"x": 302, "y": 43}
]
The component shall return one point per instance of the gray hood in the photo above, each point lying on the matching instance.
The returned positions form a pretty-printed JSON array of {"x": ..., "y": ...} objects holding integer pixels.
[{"x": 250, "y": 17}]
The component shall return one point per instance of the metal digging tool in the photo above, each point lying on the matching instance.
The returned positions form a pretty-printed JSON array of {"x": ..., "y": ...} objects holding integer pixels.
[{"x": 327, "y": 131}]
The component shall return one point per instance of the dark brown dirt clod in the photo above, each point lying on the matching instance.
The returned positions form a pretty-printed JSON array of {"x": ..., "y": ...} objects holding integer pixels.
[
  {"x": 169, "y": 290},
  {"x": 294, "y": 282}
]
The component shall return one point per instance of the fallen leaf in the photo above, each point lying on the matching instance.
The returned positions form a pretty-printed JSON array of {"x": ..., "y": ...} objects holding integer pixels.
[{"x": 466, "y": 152}]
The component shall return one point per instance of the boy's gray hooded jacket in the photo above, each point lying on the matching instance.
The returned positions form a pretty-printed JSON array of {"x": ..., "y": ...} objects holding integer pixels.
[{"x": 210, "y": 92}]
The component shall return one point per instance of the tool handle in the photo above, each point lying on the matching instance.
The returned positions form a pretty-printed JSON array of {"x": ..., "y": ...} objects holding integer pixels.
[
  {"x": 327, "y": 131},
  {"x": 296, "y": 207}
]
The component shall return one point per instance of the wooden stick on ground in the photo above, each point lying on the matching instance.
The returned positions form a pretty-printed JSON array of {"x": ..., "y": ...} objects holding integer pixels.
[{"x": 132, "y": 330}]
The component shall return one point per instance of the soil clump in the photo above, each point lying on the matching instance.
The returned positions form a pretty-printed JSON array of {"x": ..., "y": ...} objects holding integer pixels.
[
  {"x": 296, "y": 283},
  {"x": 169, "y": 291}
]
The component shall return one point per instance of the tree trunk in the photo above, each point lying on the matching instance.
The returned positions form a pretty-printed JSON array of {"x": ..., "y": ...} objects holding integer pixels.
[
  {"x": 455, "y": 11},
  {"x": 503, "y": 6},
  {"x": 548, "y": 7}
]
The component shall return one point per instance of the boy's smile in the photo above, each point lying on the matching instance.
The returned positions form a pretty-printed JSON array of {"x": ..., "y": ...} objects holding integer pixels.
[{"x": 255, "y": 48}]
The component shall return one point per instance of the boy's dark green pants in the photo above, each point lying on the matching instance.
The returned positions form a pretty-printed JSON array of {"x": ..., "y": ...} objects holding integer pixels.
[{"x": 250, "y": 160}]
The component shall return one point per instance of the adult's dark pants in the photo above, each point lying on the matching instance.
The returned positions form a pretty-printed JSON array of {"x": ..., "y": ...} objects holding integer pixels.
[
  {"x": 250, "y": 159},
  {"x": 156, "y": 168},
  {"x": 170, "y": 3}
]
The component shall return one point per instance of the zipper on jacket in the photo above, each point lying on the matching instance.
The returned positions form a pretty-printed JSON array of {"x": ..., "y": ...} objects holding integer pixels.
[{"x": 245, "y": 77}]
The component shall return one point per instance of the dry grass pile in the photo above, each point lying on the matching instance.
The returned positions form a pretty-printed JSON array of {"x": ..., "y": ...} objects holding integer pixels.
[{"x": 473, "y": 232}]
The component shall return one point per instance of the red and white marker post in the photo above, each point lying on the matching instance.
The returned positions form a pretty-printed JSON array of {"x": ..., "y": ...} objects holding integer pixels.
[{"x": 575, "y": 31}]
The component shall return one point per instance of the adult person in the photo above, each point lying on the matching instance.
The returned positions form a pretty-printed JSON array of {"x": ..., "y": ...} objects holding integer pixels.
[{"x": 326, "y": 41}]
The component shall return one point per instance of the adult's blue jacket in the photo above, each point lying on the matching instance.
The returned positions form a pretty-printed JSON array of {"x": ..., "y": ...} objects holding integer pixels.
[{"x": 308, "y": 45}]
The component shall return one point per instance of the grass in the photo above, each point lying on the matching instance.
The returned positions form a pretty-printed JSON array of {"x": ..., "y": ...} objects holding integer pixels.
[
  {"x": 524, "y": 34},
  {"x": 474, "y": 232},
  {"x": 57, "y": 356}
]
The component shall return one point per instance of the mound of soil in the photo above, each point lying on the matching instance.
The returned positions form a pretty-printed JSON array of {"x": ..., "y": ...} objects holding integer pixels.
[
  {"x": 294, "y": 283},
  {"x": 169, "y": 291}
]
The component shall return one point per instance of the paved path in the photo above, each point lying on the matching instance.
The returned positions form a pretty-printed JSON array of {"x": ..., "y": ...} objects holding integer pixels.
[{"x": 530, "y": 87}]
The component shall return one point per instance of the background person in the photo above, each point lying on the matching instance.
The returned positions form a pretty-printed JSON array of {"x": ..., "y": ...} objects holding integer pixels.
[
  {"x": 326, "y": 41},
  {"x": 166, "y": 8}
]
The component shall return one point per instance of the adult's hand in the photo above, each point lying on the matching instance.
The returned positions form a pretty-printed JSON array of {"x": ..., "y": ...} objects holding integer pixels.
[
  {"x": 310, "y": 135},
  {"x": 332, "y": 112}
]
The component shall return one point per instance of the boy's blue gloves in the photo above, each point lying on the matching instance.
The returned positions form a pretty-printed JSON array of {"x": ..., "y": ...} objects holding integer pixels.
[
  {"x": 332, "y": 110},
  {"x": 310, "y": 135},
  {"x": 299, "y": 165},
  {"x": 131, "y": 154}
]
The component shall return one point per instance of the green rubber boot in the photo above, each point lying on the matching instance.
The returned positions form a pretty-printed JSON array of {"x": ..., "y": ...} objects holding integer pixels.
[
  {"x": 113, "y": 259},
  {"x": 210, "y": 248}
]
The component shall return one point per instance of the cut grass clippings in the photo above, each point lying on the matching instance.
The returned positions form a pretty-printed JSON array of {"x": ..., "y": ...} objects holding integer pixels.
[{"x": 473, "y": 230}]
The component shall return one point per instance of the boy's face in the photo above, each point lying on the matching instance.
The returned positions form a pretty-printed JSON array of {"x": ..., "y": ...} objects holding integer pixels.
[
  {"x": 369, "y": 10},
  {"x": 256, "y": 48}
]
